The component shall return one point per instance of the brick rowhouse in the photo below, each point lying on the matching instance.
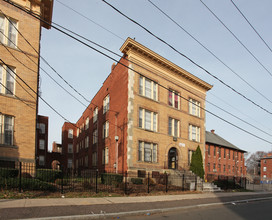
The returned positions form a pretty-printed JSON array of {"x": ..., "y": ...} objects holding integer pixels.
[{"x": 266, "y": 168}]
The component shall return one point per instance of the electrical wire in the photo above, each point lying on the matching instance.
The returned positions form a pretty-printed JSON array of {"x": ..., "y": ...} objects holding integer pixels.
[
  {"x": 251, "y": 26},
  {"x": 199, "y": 66},
  {"x": 236, "y": 38},
  {"x": 226, "y": 121},
  {"x": 215, "y": 56}
]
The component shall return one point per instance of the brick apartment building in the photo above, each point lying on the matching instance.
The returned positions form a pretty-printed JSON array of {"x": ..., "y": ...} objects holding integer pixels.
[
  {"x": 18, "y": 104},
  {"x": 138, "y": 121},
  {"x": 266, "y": 168},
  {"x": 222, "y": 158},
  {"x": 42, "y": 141}
]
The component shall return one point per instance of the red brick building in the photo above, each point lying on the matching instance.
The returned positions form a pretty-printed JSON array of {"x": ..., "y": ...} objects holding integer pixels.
[
  {"x": 42, "y": 141},
  {"x": 266, "y": 168},
  {"x": 222, "y": 158},
  {"x": 148, "y": 117}
]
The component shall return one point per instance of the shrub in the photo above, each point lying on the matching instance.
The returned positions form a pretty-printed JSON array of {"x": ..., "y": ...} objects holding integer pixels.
[
  {"x": 48, "y": 175},
  {"x": 111, "y": 178},
  {"x": 197, "y": 163},
  {"x": 8, "y": 172},
  {"x": 137, "y": 181}
]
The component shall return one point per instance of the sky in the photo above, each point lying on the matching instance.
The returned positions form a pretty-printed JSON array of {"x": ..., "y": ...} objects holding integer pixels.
[{"x": 245, "y": 65}]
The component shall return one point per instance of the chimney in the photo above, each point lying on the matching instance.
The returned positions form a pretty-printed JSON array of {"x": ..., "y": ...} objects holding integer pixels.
[
  {"x": 213, "y": 131},
  {"x": 112, "y": 66}
]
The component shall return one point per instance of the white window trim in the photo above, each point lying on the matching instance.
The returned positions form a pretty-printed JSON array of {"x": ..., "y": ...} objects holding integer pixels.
[
  {"x": 2, "y": 129},
  {"x": 105, "y": 133},
  {"x": 106, "y": 104},
  {"x": 154, "y": 124},
  {"x": 141, "y": 152},
  {"x": 4, "y": 70},
  {"x": 154, "y": 87},
  {"x": 194, "y": 103},
  {"x": 95, "y": 114},
  {"x": 173, "y": 98},
  {"x": 173, "y": 127},
  {"x": 7, "y": 25},
  {"x": 197, "y": 139},
  {"x": 87, "y": 123}
]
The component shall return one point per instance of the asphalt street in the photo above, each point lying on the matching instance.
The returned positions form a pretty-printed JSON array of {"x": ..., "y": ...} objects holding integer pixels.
[{"x": 243, "y": 211}]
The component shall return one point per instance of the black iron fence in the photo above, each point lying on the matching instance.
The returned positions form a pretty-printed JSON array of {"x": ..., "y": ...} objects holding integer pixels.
[
  {"x": 25, "y": 176},
  {"x": 228, "y": 182}
]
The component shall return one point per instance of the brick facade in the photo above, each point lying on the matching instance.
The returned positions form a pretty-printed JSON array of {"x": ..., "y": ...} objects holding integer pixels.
[
  {"x": 266, "y": 168},
  {"x": 20, "y": 116},
  {"x": 148, "y": 125},
  {"x": 222, "y": 158}
]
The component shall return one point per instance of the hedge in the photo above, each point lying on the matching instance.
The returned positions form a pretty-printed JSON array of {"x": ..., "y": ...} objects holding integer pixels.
[
  {"x": 8, "y": 173},
  {"x": 137, "y": 181},
  {"x": 48, "y": 175},
  {"x": 111, "y": 178}
]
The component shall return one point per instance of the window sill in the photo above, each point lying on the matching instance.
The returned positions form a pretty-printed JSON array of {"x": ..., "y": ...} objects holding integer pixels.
[
  {"x": 9, "y": 146},
  {"x": 148, "y": 98}
]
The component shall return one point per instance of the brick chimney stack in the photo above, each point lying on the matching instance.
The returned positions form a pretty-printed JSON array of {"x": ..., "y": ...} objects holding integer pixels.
[{"x": 213, "y": 131}]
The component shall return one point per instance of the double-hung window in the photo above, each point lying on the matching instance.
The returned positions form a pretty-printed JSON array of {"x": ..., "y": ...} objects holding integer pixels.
[
  {"x": 95, "y": 136},
  {"x": 95, "y": 113},
  {"x": 70, "y": 133},
  {"x": 41, "y": 144},
  {"x": 194, "y": 107},
  {"x": 173, "y": 127},
  {"x": 106, "y": 129},
  {"x": 106, "y": 104},
  {"x": 7, "y": 82},
  {"x": 87, "y": 142},
  {"x": 105, "y": 155},
  {"x": 87, "y": 123},
  {"x": 148, "y": 119},
  {"x": 173, "y": 99},
  {"x": 6, "y": 129},
  {"x": 8, "y": 32},
  {"x": 148, "y": 88},
  {"x": 194, "y": 133},
  {"x": 70, "y": 148},
  {"x": 147, "y": 152}
]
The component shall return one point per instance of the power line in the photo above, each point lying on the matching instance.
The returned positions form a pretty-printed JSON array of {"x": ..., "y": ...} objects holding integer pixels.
[
  {"x": 251, "y": 26},
  {"x": 215, "y": 56},
  {"x": 236, "y": 38},
  {"x": 226, "y": 121},
  {"x": 84, "y": 16},
  {"x": 173, "y": 48}
]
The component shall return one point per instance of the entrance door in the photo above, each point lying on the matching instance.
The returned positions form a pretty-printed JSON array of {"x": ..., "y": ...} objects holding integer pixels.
[{"x": 173, "y": 158}]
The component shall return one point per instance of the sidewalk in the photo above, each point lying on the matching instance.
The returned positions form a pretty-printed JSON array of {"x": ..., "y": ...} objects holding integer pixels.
[{"x": 93, "y": 208}]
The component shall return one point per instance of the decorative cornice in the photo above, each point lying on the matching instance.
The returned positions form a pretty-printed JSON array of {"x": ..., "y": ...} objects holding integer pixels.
[{"x": 132, "y": 45}]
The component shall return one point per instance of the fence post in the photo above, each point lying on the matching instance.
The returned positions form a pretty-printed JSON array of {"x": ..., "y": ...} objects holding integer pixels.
[
  {"x": 20, "y": 177},
  {"x": 195, "y": 182},
  {"x": 148, "y": 182},
  {"x": 96, "y": 180},
  {"x": 183, "y": 182},
  {"x": 166, "y": 182}
]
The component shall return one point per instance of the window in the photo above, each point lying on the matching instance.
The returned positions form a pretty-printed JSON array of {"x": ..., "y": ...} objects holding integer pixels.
[
  {"x": 214, "y": 151},
  {"x": 95, "y": 134},
  {"x": 95, "y": 113},
  {"x": 233, "y": 155},
  {"x": 106, "y": 104},
  {"x": 77, "y": 148},
  {"x": 6, "y": 129},
  {"x": 224, "y": 167},
  {"x": 229, "y": 154},
  {"x": 87, "y": 142},
  {"x": 219, "y": 152},
  {"x": 194, "y": 133},
  {"x": 41, "y": 160},
  {"x": 94, "y": 159},
  {"x": 147, "y": 152},
  {"x": 70, "y": 163},
  {"x": 77, "y": 132},
  {"x": 173, "y": 127},
  {"x": 105, "y": 156},
  {"x": 214, "y": 169},
  {"x": 106, "y": 129},
  {"x": 264, "y": 176},
  {"x": 148, "y": 88},
  {"x": 70, "y": 133},
  {"x": 209, "y": 149},
  {"x": 41, "y": 144},
  {"x": 224, "y": 152},
  {"x": 147, "y": 120},
  {"x": 194, "y": 107},
  {"x": 264, "y": 169},
  {"x": 208, "y": 167},
  {"x": 8, "y": 32},
  {"x": 86, "y": 161},
  {"x": 87, "y": 122},
  {"x": 264, "y": 161},
  {"x": 70, "y": 148},
  {"x": 173, "y": 99},
  {"x": 219, "y": 168},
  {"x": 190, "y": 154},
  {"x": 7, "y": 85},
  {"x": 41, "y": 128}
]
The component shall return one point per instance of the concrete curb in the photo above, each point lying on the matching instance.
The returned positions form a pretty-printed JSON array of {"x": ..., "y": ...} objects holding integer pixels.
[{"x": 149, "y": 212}]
